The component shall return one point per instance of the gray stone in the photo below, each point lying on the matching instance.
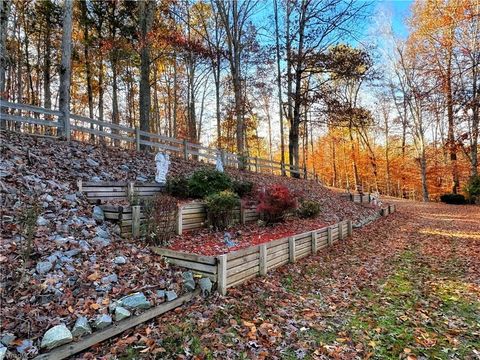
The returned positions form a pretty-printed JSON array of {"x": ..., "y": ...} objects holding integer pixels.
[
  {"x": 188, "y": 281},
  {"x": 71, "y": 197},
  {"x": 121, "y": 313},
  {"x": 81, "y": 327},
  {"x": 71, "y": 253},
  {"x": 84, "y": 245},
  {"x": 92, "y": 162},
  {"x": 60, "y": 240},
  {"x": 24, "y": 346},
  {"x": 102, "y": 233},
  {"x": 56, "y": 336},
  {"x": 43, "y": 267},
  {"x": 7, "y": 339},
  {"x": 124, "y": 167},
  {"x": 205, "y": 286},
  {"x": 98, "y": 213},
  {"x": 3, "y": 352},
  {"x": 141, "y": 178},
  {"x": 161, "y": 294},
  {"x": 101, "y": 242},
  {"x": 120, "y": 260},
  {"x": 112, "y": 306},
  {"x": 41, "y": 221},
  {"x": 171, "y": 295},
  {"x": 95, "y": 179},
  {"x": 109, "y": 279},
  {"x": 103, "y": 321},
  {"x": 135, "y": 301}
]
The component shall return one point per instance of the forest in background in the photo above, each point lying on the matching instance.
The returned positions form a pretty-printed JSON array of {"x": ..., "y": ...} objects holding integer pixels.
[{"x": 285, "y": 80}]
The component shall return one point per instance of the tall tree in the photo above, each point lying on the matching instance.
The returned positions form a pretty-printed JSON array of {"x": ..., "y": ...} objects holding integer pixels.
[{"x": 66, "y": 68}]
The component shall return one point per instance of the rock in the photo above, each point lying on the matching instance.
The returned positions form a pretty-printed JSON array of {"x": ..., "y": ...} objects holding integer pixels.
[
  {"x": 188, "y": 281},
  {"x": 92, "y": 162},
  {"x": 124, "y": 167},
  {"x": 43, "y": 267},
  {"x": 121, "y": 313},
  {"x": 41, "y": 221},
  {"x": 161, "y": 294},
  {"x": 98, "y": 214},
  {"x": 103, "y": 321},
  {"x": 71, "y": 197},
  {"x": 7, "y": 339},
  {"x": 109, "y": 279},
  {"x": 84, "y": 245},
  {"x": 3, "y": 352},
  {"x": 120, "y": 260},
  {"x": 95, "y": 179},
  {"x": 71, "y": 253},
  {"x": 102, "y": 233},
  {"x": 101, "y": 242},
  {"x": 56, "y": 336},
  {"x": 141, "y": 178},
  {"x": 24, "y": 346},
  {"x": 171, "y": 295},
  {"x": 135, "y": 301},
  {"x": 47, "y": 198},
  {"x": 205, "y": 286},
  {"x": 112, "y": 306},
  {"x": 81, "y": 327}
]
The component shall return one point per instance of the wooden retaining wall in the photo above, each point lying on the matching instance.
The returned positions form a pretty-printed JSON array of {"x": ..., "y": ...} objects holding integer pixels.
[
  {"x": 237, "y": 267},
  {"x": 102, "y": 192}
]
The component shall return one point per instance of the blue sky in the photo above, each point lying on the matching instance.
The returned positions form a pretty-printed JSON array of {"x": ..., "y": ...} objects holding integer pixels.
[{"x": 400, "y": 9}]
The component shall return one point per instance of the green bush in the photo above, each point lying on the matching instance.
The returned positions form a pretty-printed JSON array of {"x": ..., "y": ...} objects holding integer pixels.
[
  {"x": 208, "y": 181},
  {"x": 456, "y": 199},
  {"x": 177, "y": 186},
  {"x": 308, "y": 209},
  {"x": 242, "y": 188},
  {"x": 472, "y": 188},
  {"x": 220, "y": 208}
]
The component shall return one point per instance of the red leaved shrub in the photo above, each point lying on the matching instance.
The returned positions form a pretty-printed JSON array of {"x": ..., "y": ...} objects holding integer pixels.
[{"x": 275, "y": 202}]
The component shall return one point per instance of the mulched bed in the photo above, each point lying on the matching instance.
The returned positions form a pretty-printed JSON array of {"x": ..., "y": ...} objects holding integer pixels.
[{"x": 207, "y": 242}]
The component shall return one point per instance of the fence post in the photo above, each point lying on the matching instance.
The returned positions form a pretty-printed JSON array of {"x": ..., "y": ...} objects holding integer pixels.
[
  {"x": 222, "y": 274},
  {"x": 263, "y": 259},
  {"x": 179, "y": 220},
  {"x": 256, "y": 164},
  {"x": 282, "y": 166},
  {"x": 340, "y": 230},
  {"x": 242, "y": 213},
  {"x": 130, "y": 189},
  {"x": 185, "y": 149},
  {"x": 329, "y": 236},
  {"x": 349, "y": 228},
  {"x": 80, "y": 185},
  {"x": 137, "y": 138},
  {"x": 314, "y": 242},
  {"x": 135, "y": 221},
  {"x": 291, "y": 249}
]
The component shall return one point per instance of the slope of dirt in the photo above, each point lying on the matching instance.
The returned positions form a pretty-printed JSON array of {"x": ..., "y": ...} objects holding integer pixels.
[
  {"x": 404, "y": 287},
  {"x": 83, "y": 277}
]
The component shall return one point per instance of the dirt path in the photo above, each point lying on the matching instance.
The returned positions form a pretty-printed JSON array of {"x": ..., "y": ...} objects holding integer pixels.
[{"x": 406, "y": 286}]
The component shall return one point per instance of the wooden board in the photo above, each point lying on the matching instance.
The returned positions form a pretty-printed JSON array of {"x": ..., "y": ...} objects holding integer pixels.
[{"x": 117, "y": 328}]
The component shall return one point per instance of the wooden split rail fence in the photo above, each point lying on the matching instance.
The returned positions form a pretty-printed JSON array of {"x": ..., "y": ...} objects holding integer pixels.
[{"x": 34, "y": 119}]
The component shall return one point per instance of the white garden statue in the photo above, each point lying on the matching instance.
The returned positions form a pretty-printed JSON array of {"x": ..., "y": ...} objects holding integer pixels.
[
  {"x": 219, "y": 163},
  {"x": 163, "y": 162}
]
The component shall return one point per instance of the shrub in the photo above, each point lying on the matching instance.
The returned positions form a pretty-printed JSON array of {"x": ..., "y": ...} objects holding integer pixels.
[
  {"x": 275, "y": 202},
  {"x": 160, "y": 214},
  {"x": 220, "y": 207},
  {"x": 242, "y": 188},
  {"x": 308, "y": 209},
  {"x": 453, "y": 199},
  {"x": 177, "y": 186},
  {"x": 208, "y": 181},
  {"x": 472, "y": 188}
]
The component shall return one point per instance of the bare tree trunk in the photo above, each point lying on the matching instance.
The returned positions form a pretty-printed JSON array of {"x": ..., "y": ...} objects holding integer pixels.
[
  {"x": 451, "y": 128},
  {"x": 146, "y": 9},
  {"x": 175, "y": 96},
  {"x": 279, "y": 85},
  {"x": 4, "y": 14},
  {"x": 88, "y": 69},
  {"x": 66, "y": 68}
]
